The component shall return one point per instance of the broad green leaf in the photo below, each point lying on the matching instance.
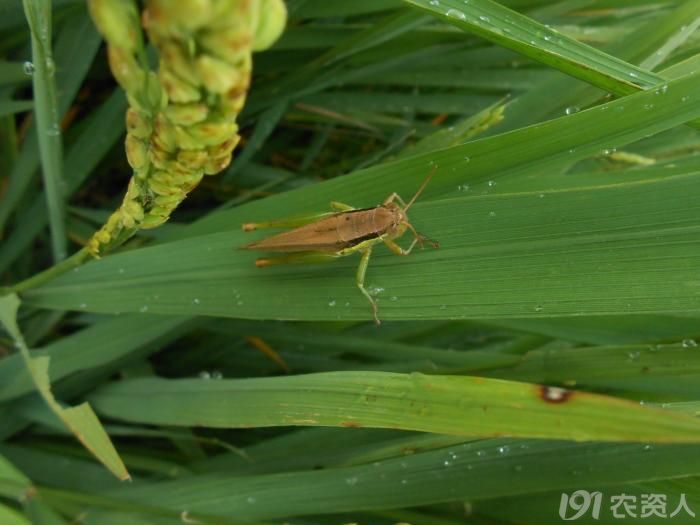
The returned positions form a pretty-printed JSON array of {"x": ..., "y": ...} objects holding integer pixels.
[
  {"x": 471, "y": 471},
  {"x": 466, "y": 406},
  {"x": 81, "y": 420},
  {"x": 602, "y": 242},
  {"x": 506, "y": 255}
]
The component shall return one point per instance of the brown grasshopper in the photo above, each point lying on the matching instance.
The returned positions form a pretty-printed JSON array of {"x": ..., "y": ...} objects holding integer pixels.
[{"x": 344, "y": 231}]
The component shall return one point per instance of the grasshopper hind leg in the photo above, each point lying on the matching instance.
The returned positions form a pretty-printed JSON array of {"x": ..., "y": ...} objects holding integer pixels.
[{"x": 360, "y": 280}]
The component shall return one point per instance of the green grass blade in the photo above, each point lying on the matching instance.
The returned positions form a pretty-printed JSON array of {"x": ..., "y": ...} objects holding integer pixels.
[
  {"x": 47, "y": 116},
  {"x": 9, "y": 474},
  {"x": 81, "y": 420},
  {"x": 610, "y": 329},
  {"x": 99, "y": 134},
  {"x": 510, "y": 29},
  {"x": 441, "y": 404},
  {"x": 75, "y": 48},
  {"x": 12, "y": 73},
  {"x": 650, "y": 42},
  {"x": 562, "y": 240},
  {"x": 116, "y": 338},
  {"x": 473, "y": 471},
  {"x": 10, "y": 107},
  {"x": 9, "y": 516},
  {"x": 577, "y": 366}
]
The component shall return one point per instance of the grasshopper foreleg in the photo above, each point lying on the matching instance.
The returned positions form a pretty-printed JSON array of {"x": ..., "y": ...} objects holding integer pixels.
[
  {"x": 420, "y": 239},
  {"x": 398, "y": 250}
]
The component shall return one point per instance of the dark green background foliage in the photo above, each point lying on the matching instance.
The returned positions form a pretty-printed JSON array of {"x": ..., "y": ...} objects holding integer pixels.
[{"x": 563, "y": 136}]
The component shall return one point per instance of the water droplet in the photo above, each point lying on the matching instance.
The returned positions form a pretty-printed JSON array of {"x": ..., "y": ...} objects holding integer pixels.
[
  {"x": 456, "y": 13},
  {"x": 216, "y": 374},
  {"x": 250, "y": 500},
  {"x": 634, "y": 75},
  {"x": 633, "y": 356},
  {"x": 571, "y": 110},
  {"x": 463, "y": 187},
  {"x": 28, "y": 68},
  {"x": 239, "y": 303},
  {"x": 393, "y": 298},
  {"x": 491, "y": 183},
  {"x": 446, "y": 463},
  {"x": 83, "y": 305},
  {"x": 492, "y": 214},
  {"x": 647, "y": 448},
  {"x": 689, "y": 343},
  {"x": 144, "y": 308},
  {"x": 196, "y": 301},
  {"x": 120, "y": 270},
  {"x": 686, "y": 98},
  {"x": 662, "y": 90},
  {"x": 434, "y": 2},
  {"x": 541, "y": 195},
  {"x": 351, "y": 480},
  {"x": 53, "y": 131},
  {"x": 404, "y": 481},
  {"x": 503, "y": 449},
  {"x": 484, "y": 18},
  {"x": 467, "y": 159},
  {"x": 539, "y": 308},
  {"x": 50, "y": 67},
  {"x": 375, "y": 290},
  {"x": 331, "y": 302},
  {"x": 648, "y": 106},
  {"x": 204, "y": 374},
  {"x": 481, "y": 453}
]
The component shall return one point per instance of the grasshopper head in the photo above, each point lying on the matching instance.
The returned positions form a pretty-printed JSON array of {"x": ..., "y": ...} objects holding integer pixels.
[{"x": 399, "y": 221}]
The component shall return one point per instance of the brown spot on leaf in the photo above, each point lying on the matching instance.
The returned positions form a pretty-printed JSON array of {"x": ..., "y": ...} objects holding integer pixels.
[
  {"x": 350, "y": 424},
  {"x": 554, "y": 394}
]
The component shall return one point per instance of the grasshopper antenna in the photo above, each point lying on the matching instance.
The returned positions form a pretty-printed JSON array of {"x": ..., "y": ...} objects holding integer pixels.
[{"x": 420, "y": 190}]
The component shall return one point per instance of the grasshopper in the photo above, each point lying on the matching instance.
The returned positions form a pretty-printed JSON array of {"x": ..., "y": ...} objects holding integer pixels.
[{"x": 343, "y": 231}]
